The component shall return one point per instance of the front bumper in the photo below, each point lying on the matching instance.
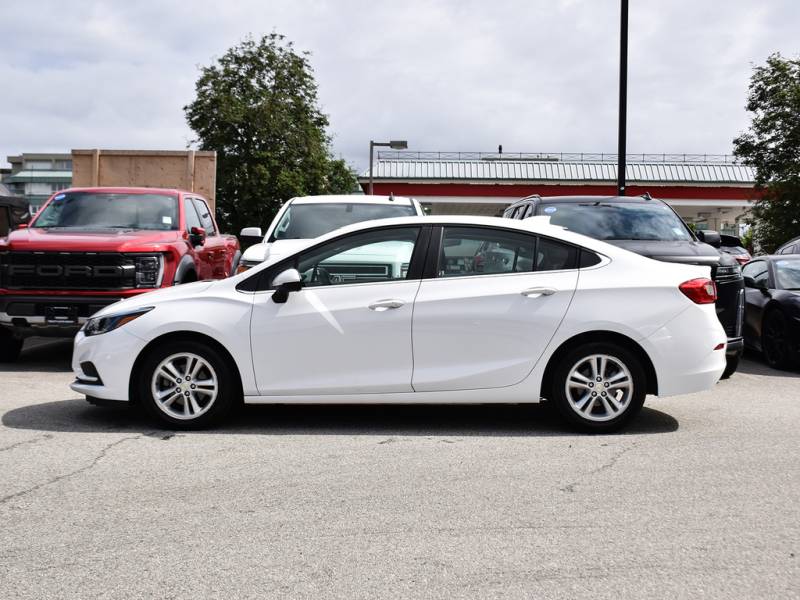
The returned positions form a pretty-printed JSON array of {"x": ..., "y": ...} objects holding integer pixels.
[
  {"x": 53, "y": 315},
  {"x": 113, "y": 355}
]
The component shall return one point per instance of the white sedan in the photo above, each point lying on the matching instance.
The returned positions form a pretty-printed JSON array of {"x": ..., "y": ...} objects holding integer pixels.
[{"x": 416, "y": 310}]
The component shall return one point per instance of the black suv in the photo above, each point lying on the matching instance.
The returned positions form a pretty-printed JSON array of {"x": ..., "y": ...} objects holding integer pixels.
[{"x": 651, "y": 228}]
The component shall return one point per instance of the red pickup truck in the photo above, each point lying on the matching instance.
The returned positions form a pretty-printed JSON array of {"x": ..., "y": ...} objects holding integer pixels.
[{"x": 89, "y": 247}]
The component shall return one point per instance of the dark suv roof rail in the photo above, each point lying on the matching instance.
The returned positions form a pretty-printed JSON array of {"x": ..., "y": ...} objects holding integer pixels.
[{"x": 647, "y": 196}]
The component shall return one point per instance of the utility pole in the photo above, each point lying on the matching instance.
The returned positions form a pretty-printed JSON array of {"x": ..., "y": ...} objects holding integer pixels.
[
  {"x": 394, "y": 145},
  {"x": 623, "y": 97}
]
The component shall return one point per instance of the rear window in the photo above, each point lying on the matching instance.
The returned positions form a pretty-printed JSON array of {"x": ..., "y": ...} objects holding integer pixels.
[{"x": 652, "y": 221}]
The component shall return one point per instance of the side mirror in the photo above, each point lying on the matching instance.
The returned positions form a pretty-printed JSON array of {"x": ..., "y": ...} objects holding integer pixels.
[
  {"x": 712, "y": 238},
  {"x": 197, "y": 236},
  {"x": 749, "y": 282},
  {"x": 285, "y": 282},
  {"x": 251, "y": 234}
]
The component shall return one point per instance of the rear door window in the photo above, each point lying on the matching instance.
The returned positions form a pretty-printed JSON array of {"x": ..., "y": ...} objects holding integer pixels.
[
  {"x": 470, "y": 251},
  {"x": 552, "y": 255}
]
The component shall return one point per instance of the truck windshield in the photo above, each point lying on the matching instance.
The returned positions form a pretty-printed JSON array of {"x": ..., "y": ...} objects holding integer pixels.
[
  {"x": 100, "y": 210},
  {"x": 618, "y": 221},
  {"x": 307, "y": 221}
]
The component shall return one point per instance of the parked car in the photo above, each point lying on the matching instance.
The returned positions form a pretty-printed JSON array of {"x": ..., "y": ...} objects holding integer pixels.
[
  {"x": 790, "y": 247},
  {"x": 88, "y": 248},
  {"x": 772, "y": 321},
  {"x": 651, "y": 228},
  {"x": 471, "y": 331},
  {"x": 307, "y": 217},
  {"x": 14, "y": 211},
  {"x": 732, "y": 245}
]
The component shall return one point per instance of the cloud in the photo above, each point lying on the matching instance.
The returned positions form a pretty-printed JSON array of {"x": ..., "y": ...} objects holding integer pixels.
[{"x": 450, "y": 75}]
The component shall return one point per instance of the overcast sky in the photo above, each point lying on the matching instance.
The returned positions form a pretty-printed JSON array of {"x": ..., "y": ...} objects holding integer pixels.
[{"x": 535, "y": 75}]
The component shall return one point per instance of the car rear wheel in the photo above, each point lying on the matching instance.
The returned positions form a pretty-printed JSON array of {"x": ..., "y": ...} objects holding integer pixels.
[
  {"x": 187, "y": 385},
  {"x": 599, "y": 387},
  {"x": 775, "y": 341},
  {"x": 10, "y": 346}
]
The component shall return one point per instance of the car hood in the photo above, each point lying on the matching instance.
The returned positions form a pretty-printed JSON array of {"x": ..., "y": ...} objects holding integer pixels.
[
  {"x": 273, "y": 251},
  {"x": 81, "y": 240},
  {"x": 691, "y": 253},
  {"x": 178, "y": 292}
]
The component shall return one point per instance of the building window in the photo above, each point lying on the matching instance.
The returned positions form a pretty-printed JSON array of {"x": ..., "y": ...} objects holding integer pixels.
[
  {"x": 63, "y": 165},
  {"x": 38, "y": 189},
  {"x": 38, "y": 165}
]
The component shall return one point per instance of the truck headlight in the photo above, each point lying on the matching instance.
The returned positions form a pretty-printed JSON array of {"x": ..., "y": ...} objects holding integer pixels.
[
  {"x": 149, "y": 270},
  {"x": 98, "y": 325}
]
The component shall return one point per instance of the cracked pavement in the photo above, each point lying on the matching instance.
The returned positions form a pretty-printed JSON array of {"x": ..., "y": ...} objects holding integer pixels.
[{"x": 700, "y": 498}]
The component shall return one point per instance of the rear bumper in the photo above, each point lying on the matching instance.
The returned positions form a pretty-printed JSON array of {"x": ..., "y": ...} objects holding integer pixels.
[
  {"x": 734, "y": 347},
  {"x": 683, "y": 352}
]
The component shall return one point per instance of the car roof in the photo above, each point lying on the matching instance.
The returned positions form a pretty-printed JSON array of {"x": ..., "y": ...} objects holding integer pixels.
[
  {"x": 537, "y": 225},
  {"x": 130, "y": 190},
  {"x": 583, "y": 199},
  {"x": 352, "y": 199}
]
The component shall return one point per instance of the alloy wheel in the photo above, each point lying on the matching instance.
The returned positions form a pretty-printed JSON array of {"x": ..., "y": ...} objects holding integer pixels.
[
  {"x": 599, "y": 387},
  {"x": 184, "y": 386}
]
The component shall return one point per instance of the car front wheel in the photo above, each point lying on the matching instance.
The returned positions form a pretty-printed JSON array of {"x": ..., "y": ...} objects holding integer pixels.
[
  {"x": 10, "y": 346},
  {"x": 187, "y": 385},
  {"x": 599, "y": 387}
]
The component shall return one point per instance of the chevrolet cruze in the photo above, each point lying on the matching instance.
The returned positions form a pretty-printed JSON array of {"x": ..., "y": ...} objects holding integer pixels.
[{"x": 416, "y": 310}]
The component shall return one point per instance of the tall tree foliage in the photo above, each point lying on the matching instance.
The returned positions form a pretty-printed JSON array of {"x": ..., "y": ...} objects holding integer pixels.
[
  {"x": 257, "y": 107},
  {"x": 772, "y": 147}
]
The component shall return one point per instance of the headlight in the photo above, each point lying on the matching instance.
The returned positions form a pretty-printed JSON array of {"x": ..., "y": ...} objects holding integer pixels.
[
  {"x": 149, "y": 270},
  {"x": 246, "y": 264},
  {"x": 98, "y": 325}
]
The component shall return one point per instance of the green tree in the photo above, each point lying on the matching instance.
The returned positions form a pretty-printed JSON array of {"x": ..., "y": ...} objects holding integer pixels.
[
  {"x": 257, "y": 107},
  {"x": 772, "y": 147}
]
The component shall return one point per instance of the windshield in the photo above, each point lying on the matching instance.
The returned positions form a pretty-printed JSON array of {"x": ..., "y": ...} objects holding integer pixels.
[
  {"x": 100, "y": 210},
  {"x": 788, "y": 273},
  {"x": 307, "y": 221},
  {"x": 618, "y": 221}
]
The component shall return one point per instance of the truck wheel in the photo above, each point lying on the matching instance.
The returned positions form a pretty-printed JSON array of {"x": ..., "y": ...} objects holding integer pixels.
[
  {"x": 775, "y": 340},
  {"x": 10, "y": 346},
  {"x": 186, "y": 385},
  {"x": 599, "y": 387},
  {"x": 731, "y": 365}
]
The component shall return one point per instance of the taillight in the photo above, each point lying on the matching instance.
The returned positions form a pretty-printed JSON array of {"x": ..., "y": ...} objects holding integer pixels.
[{"x": 699, "y": 291}]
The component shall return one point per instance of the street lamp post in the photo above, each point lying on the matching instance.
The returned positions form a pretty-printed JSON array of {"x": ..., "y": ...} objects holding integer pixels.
[
  {"x": 393, "y": 144},
  {"x": 623, "y": 97}
]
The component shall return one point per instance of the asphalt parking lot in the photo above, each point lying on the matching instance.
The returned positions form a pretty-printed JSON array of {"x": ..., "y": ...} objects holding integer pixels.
[{"x": 698, "y": 499}]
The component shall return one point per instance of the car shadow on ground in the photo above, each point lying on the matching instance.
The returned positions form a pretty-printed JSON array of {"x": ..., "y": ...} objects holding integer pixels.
[
  {"x": 390, "y": 420},
  {"x": 753, "y": 364},
  {"x": 42, "y": 355}
]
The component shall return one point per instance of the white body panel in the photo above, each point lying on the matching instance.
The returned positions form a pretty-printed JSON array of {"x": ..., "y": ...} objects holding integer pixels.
[
  {"x": 449, "y": 341},
  {"x": 327, "y": 340},
  {"x": 482, "y": 332}
]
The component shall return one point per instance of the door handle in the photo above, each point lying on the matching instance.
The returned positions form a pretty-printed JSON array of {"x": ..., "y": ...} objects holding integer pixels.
[
  {"x": 382, "y": 305},
  {"x": 535, "y": 292}
]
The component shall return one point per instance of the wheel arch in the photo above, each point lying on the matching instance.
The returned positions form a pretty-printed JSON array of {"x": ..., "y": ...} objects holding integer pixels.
[
  {"x": 599, "y": 336},
  {"x": 183, "y": 336},
  {"x": 186, "y": 271}
]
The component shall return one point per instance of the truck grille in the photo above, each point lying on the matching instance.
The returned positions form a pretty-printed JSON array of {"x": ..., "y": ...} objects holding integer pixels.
[{"x": 67, "y": 271}]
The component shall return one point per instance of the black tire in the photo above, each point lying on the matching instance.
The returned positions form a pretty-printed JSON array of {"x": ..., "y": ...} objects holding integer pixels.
[
  {"x": 774, "y": 340},
  {"x": 732, "y": 363},
  {"x": 631, "y": 407},
  {"x": 212, "y": 410},
  {"x": 10, "y": 346}
]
